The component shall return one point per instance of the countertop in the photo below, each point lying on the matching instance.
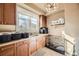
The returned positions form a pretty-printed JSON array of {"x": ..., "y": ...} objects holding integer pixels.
[{"x": 15, "y": 41}]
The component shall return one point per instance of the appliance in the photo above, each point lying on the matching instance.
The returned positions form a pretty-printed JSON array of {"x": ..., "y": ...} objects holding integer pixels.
[
  {"x": 16, "y": 36},
  {"x": 43, "y": 30},
  {"x": 5, "y": 38},
  {"x": 19, "y": 36},
  {"x": 52, "y": 46},
  {"x": 24, "y": 35}
]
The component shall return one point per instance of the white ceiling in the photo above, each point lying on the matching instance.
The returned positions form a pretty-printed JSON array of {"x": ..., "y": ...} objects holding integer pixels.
[{"x": 41, "y": 7}]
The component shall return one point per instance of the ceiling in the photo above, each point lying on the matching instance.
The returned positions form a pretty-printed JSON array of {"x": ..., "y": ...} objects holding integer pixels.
[{"x": 41, "y": 7}]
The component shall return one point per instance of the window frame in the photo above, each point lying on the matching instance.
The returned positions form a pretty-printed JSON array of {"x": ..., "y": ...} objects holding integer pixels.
[{"x": 30, "y": 15}]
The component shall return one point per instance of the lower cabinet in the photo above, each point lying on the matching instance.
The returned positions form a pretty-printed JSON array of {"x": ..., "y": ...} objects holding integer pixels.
[
  {"x": 40, "y": 42},
  {"x": 46, "y": 40},
  {"x": 8, "y": 50},
  {"x": 32, "y": 46},
  {"x": 17, "y": 49},
  {"x": 43, "y": 41},
  {"x": 22, "y": 48}
]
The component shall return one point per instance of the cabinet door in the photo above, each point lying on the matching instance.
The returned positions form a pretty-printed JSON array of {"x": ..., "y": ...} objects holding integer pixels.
[
  {"x": 43, "y": 41},
  {"x": 1, "y": 13},
  {"x": 32, "y": 46},
  {"x": 8, "y": 50},
  {"x": 43, "y": 21},
  {"x": 9, "y": 13},
  {"x": 22, "y": 49},
  {"x": 46, "y": 40},
  {"x": 39, "y": 45},
  {"x": 40, "y": 42}
]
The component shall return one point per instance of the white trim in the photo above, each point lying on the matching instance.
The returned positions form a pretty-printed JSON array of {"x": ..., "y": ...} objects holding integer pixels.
[
  {"x": 29, "y": 8},
  {"x": 69, "y": 38}
]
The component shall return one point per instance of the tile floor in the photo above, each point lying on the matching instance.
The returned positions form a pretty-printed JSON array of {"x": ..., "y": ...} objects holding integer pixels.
[{"x": 46, "y": 52}]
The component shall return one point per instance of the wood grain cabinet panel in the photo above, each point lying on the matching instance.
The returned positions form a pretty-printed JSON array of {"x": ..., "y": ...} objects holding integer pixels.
[
  {"x": 32, "y": 46},
  {"x": 39, "y": 45},
  {"x": 1, "y": 13},
  {"x": 9, "y": 13},
  {"x": 8, "y": 50},
  {"x": 42, "y": 21},
  {"x": 46, "y": 40},
  {"x": 22, "y": 49},
  {"x": 40, "y": 42},
  {"x": 43, "y": 41}
]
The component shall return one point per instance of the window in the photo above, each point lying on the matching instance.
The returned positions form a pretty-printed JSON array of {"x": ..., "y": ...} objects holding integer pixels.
[
  {"x": 34, "y": 24},
  {"x": 27, "y": 23},
  {"x": 23, "y": 22}
]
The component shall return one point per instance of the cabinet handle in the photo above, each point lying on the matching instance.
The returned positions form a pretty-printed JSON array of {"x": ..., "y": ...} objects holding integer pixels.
[{"x": 6, "y": 48}]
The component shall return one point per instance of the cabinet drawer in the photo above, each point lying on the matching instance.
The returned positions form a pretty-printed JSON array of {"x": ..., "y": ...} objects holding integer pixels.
[
  {"x": 20, "y": 43},
  {"x": 39, "y": 40},
  {"x": 26, "y": 42},
  {"x": 7, "y": 47}
]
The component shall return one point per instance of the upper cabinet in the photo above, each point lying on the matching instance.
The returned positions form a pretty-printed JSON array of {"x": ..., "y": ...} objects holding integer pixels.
[
  {"x": 42, "y": 21},
  {"x": 1, "y": 13},
  {"x": 8, "y": 13}
]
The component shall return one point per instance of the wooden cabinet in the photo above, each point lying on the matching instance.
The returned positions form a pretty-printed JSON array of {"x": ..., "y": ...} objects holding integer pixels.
[
  {"x": 32, "y": 46},
  {"x": 1, "y": 13},
  {"x": 46, "y": 40},
  {"x": 42, "y": 21},
  {"x": 39, "y": 39},
  {"x": 40, "y": 42},
  {"x": 43, "y": 41},
  {"x": 8, "y": 13},
  {"x": 17, "y": 49},
  {"x": 22, "y": 48},
  {"x": 8, "y": 50}
]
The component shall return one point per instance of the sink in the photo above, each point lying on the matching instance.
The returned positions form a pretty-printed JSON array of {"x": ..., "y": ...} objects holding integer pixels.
[{"x": 5, "y": 38}]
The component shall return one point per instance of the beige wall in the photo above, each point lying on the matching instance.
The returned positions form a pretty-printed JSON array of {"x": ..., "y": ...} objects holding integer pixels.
[
  {"x": 71, "y": 23},
  {"x": 56, "y": 31},
  {"x": 72, "y": 18}
]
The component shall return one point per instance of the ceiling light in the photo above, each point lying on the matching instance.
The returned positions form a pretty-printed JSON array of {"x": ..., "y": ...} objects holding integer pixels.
[{"x": 50, "y": 7}]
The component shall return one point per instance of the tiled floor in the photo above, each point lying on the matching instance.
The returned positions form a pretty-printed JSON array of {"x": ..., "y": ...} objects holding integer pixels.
[{"x": 46, "y": 52}]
